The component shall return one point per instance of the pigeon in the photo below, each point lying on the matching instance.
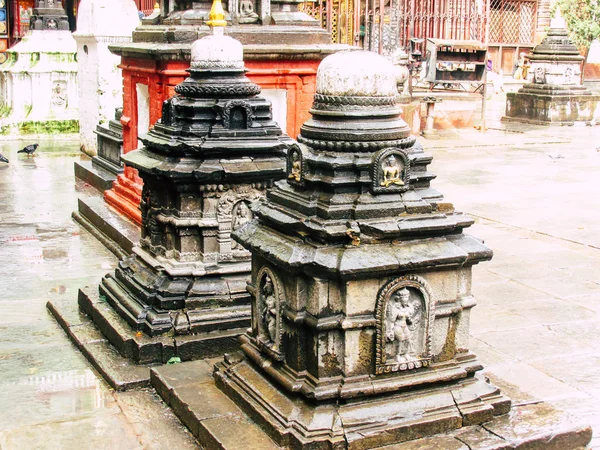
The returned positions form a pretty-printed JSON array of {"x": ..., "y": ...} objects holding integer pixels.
[
  {"x": 3, "y": 158},
  {"x": 29, "y": 149}
]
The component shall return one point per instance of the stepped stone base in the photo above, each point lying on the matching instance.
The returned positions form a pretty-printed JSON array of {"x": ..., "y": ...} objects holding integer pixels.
[
  {"x": 220, "y": 423},
  {"x": 98, "y": 177},
  {"x": 121, "y": 354},
  {"x": 545, "y": 107},
  {"x": 117, "y": 233}
]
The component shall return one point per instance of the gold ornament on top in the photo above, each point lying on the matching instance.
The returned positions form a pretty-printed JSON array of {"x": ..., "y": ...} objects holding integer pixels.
[{"x": 216, "y": 15}]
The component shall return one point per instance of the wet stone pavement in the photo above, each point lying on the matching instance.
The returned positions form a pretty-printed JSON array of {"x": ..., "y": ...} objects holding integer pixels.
[
  {"x": 533, "y": 192},
  {"x": 50, "y": 397}
]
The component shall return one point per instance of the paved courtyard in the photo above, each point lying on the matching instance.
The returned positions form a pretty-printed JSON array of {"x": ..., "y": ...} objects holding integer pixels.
[{"x": 533, "y": 191}]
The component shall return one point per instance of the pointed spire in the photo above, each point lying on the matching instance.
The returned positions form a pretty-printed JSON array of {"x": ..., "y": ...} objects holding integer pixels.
[{"x": 216, "y": 16}]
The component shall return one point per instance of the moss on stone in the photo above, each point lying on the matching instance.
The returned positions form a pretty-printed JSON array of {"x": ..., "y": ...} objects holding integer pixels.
[{"x": 49, "y": 127}]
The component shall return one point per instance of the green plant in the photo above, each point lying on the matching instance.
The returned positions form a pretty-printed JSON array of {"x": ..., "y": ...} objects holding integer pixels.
[{"x": 582, "y": 18}]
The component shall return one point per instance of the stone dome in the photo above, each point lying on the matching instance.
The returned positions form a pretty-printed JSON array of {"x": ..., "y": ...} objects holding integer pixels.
[
  {"x": 216, "y": 52},
  {"x": 356, "y": 73},
  {"x": 354, "y": 82}
]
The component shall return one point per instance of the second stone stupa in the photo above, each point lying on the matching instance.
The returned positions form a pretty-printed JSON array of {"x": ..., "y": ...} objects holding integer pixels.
[
  {"x": 182, "y": 293},
  {"x": 554, "y": 93}
]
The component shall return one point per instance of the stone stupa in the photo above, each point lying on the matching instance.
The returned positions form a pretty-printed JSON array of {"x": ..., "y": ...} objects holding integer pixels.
[
  {"x": 361, "y": 282},
  {"x": 38, "y": 82},
  {"x": 182, "y": 293},
  {"x": 554, "y": 93}
]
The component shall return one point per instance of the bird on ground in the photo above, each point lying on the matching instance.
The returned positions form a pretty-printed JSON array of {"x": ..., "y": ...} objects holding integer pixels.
[
  {"x": 29, "y": 149},
  {"x": 3, "y": 158}
]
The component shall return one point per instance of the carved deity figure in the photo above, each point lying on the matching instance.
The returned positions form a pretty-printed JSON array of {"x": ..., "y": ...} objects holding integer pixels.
[
  {"x": 569, "y": 75},
  {"x": 269, "y": 312},
  {"x": 296, "y": 169},
  {"x": 52, "y": 25},
  {"x": 247, "y": 14},
  {"x": 401, "y": 319},
  {"x": 539, "y": 75},
  {"x": 391, "y": 173},
  {"x": 59, "y": 94},
  {"x": 241, "y": 216}
]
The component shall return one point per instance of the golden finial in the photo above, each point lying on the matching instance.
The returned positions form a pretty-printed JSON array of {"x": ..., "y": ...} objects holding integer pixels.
[{"x": 216, "y": 15}]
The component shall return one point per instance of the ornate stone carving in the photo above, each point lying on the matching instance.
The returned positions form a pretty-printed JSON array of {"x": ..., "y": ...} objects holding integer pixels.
[
  {"x": 390, "y": 171},
  {"x": 404, "y": 316},
  {"x": 59, "y": 94},
  {"x": 295, "y": 164},
  {"x": 358, "y": 146},
  {"x": 270, "y": 301},
  {"x": 241, "y": 215},
  {"x": 217, "y": 90},
  {"x": 246, "y": 12},
  {"x": 539, "y": 75}
]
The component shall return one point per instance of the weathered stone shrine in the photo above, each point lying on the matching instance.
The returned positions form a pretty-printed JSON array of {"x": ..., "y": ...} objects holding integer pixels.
[
  {"x": 553, "y": 92},
  {"x": 361, "y": 282},
  {"x": 38, "y": 82},
  {"x": 215, "y": 149}
]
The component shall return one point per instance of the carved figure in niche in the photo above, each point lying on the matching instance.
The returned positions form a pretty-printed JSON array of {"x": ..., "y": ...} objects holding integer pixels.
[
  {"x": 59, "y": 94},
  {"x": 269, "y": 312},
  {"x": 392, "y": 172},
  {"x": 241, "y": 216},
  {"x": 247, "y": 14},
  {"x": 51, "y": 24},
  {"x": 539, "y": 75},
  {"x": 401, "y": 319},
  {"x": 569, "y": 75},
  {"x": 295, "y": 166}
]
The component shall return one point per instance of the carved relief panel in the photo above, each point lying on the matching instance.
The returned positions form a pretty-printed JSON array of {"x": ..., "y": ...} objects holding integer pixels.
[
  {"x": 233, "y": 211},
  {"x": 295, "y": 164},
  {"x": 269, "y": 304},
  {"x": 404, "y": 320},
  {"x": 390, "y": 171},
  {"x": 59, "y": 94}
]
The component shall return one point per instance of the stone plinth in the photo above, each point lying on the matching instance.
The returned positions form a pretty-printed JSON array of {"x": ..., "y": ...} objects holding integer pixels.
[
  {"x": 104, "y": 168},
  {"x": 554, "y": 93},
  {"x": 38, "y": 84},
  {"x": 361, "y": 283},
  {"x": 182, "y": 293},
  {"x": 100, "y": 83}
]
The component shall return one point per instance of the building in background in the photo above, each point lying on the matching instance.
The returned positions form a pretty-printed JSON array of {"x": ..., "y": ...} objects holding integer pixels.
[{"x": 509, "y": 27}]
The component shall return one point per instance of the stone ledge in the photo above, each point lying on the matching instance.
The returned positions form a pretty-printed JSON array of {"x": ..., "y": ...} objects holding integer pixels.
[
  {"x": 117, "y": 234},
  {"x": 120, "y": 373},
  {"x": 219, "y": 423}
]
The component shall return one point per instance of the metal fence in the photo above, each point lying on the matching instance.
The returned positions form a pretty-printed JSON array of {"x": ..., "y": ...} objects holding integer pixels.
[
  {"x": 513, "y": 21},
  {"x": 385, "y": 25}
]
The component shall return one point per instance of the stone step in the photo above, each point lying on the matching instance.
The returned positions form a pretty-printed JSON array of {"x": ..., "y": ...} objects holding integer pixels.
[
  {"x": 120, "y": 373},
  {"x": 98, "y": 177},
  {"x": 215, "y": 420},
  {"x": 219, "y": 423},
  {"x": 117, "y": 233}
]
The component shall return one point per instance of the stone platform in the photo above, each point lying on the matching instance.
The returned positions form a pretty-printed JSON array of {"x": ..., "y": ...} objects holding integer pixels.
[
  {"x": 117, "y": 233},
  {"x": 551, "y": 105},
  {"x": 217, "y": 422},
  {"x": 112, "y": 346}
]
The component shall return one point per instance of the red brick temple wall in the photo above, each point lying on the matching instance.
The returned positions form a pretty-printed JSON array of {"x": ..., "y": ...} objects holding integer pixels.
[{"x": 297, "y": 77}]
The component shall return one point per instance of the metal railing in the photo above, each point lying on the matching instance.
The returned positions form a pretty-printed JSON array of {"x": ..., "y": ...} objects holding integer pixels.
[{"x": 385, "y": 25}]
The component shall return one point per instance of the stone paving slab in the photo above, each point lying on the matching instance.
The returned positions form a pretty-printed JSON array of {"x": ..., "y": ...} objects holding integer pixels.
[
  {"x": 120, "y": 373},
  {"x": 218, "y": 423}
]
